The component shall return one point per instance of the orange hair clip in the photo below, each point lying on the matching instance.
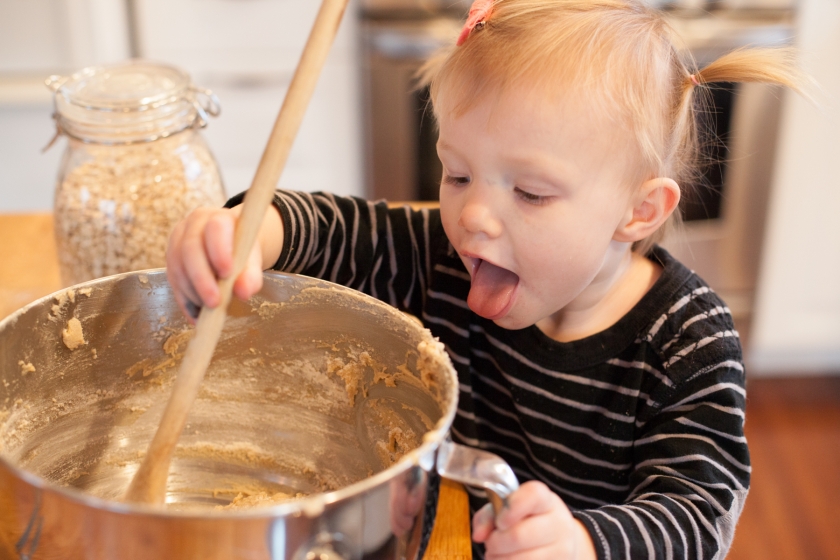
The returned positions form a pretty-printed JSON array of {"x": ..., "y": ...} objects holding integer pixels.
[{"x": 479, "y": 12}]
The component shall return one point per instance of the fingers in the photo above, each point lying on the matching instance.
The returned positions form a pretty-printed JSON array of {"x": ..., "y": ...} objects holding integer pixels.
[
  {"x": 532, "y": 498},
  {"x": 200, "y": 277},
  {"x": 200, "y": 251},
  {"x": 530, "y": 535},
  {"x": 218, "y": 243},
  {"x": 250, "y": 281},
  {"x": 483, "y": 523},
  {"x": 182, "y": 288},
  {"x": 534, "y": 524}
]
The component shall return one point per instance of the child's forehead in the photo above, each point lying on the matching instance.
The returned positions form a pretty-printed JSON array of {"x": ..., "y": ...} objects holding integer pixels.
[
  {"x": 524, "y": 122},
  {"x": 525, "y": 105},
  {"x": 522, "y": 127}
]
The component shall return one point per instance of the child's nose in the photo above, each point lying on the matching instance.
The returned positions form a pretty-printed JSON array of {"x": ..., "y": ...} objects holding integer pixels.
[{"x": 478, "y": 214}]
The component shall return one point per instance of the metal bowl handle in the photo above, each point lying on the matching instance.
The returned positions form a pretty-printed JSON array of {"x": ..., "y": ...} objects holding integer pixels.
[{"x": 477, "y": 468}]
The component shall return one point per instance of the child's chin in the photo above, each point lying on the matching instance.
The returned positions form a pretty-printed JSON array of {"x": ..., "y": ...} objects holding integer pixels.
[{"x": 512, "y": 323}]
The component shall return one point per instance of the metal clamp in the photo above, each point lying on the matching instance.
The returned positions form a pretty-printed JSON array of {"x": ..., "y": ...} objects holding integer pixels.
[
  {"x": 54, "y": 83},
  {"x": 206, "y": 103}
]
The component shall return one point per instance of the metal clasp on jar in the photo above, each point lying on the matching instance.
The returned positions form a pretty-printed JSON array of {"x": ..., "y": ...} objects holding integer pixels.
[
  {"x": 54, "y": 82},
  {"x": 205, "y": 103}
]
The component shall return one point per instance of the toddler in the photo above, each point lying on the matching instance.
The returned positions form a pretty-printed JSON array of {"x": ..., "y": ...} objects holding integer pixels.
[{"x": 606, "y": 373}]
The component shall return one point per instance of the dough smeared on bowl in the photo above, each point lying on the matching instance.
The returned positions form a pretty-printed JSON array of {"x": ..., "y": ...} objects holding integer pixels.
[
  {"x": 26, "y": 367},
  {"x": 72, "y": 336}
]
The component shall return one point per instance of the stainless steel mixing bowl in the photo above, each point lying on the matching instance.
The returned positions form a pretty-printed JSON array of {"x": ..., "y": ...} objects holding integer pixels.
[{"x": 315, "y": 392}]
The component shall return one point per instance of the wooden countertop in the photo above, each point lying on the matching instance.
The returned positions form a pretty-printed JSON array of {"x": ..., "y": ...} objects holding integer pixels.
[
  {"x": 29, "y": 270},
  {"x": 28, "y": 261}
]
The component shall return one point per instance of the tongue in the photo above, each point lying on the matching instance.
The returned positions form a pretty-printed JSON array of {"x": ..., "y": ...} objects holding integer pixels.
[{"x": 491, "y": 289}]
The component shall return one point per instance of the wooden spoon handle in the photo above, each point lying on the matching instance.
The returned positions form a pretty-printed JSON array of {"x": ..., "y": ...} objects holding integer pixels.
[{"x": 149, "y": 482}]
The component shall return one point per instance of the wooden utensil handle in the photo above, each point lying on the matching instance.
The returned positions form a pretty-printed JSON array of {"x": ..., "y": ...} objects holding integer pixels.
[
  {"x": 286, "y": 127},
  {"x": 149, "y": 483}
]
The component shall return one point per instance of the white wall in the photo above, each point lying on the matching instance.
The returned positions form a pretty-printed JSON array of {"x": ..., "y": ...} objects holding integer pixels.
[
  {"x": 39, "y": 38},
  {"x": 796, "y": 325},
  {"x": 246, "y": 52}
]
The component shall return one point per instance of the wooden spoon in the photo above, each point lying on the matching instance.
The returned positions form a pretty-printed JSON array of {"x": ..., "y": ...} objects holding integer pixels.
[{"x": 149, "y": 482}]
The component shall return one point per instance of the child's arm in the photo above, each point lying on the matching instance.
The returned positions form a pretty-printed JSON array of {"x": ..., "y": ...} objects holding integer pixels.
[
  {"x": 692, "y": 466},
  {"x": 384, "y": 252},
  {"x": 685, "y": 494},
  {"x": 367, "y": 246}
]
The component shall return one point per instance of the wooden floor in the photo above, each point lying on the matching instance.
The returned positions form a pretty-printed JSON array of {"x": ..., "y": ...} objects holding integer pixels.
[{"x": 793, "y": 509}]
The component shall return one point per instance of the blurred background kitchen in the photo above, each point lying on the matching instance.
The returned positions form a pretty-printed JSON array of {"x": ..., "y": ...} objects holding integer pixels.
[{"x": 763, "y": 229}]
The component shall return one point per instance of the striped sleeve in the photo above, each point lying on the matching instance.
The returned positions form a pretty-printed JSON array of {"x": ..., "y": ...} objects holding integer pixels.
[
  {"x": 365, "y": 245},
  {"x": 690, "y": 480},
  {"x": 691, "y": 470}
]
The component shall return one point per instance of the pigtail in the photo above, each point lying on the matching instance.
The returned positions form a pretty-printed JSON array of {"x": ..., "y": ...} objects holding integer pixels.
[
  {"x": 763, "y": 65},
  {"x": 682, "y": 161},
  {"x": 775, "y": 66},
  {"x": 682, "y": 156}
]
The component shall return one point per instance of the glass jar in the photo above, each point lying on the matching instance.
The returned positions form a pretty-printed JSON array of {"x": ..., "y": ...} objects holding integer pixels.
[{"x": 134, "y": 166}]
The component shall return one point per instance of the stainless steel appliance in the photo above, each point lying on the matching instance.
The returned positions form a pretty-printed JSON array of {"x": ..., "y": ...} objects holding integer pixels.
[{"x": 398, "y": 36}]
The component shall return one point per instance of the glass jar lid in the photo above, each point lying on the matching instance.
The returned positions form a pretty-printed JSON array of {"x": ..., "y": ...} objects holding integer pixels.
[
  {"x": 134, "y": 101},
  {"x": 135, "y": 85}
]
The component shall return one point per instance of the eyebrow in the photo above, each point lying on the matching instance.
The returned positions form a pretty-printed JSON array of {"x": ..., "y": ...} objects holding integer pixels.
[
  {"x": 526, "y": 162},
  {"x": 555, "y": 174}
]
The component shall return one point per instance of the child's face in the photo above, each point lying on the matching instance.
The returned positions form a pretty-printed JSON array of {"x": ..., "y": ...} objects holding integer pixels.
[{"x": 531, "y": 197}]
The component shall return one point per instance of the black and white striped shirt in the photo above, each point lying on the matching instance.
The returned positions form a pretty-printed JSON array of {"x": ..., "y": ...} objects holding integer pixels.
[{"x": 639, "y": 428}]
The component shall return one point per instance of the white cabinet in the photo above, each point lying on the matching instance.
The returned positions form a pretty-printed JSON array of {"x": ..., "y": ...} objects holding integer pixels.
[
  {"x": 39, "y": 38},
  {"x": 796, "y": 327},
  {"x": 246, "y": 52},
  {"x": 226, "y": 36},
  {"x": 44, "y": 36}
]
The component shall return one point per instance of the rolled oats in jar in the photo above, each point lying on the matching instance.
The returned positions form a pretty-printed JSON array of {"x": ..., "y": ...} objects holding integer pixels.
[{"x": 135, "y": 165}]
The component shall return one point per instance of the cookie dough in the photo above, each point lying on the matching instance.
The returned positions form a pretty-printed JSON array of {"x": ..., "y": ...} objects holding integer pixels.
[
  {"x": 26, "y": 367},
  {"x": 73, "y": 336}
]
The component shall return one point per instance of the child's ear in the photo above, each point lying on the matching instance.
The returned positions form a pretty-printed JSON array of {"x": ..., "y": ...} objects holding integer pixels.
[{"x": 654, "y": 202}]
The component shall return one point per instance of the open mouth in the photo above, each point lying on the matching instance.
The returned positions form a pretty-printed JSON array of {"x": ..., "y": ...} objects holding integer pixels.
[{"x": 492, "y": 289}]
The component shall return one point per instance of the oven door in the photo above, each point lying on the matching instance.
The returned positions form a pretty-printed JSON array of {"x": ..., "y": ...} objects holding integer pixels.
[{"x": 401, "y": 159}]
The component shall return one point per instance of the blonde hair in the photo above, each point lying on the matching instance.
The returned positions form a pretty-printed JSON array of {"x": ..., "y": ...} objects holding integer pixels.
[{"x": 618, "y": 54}]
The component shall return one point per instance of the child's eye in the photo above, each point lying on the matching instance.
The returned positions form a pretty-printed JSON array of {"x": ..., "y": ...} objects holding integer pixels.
[
  {"x": 530, "y": 198},
  {"x": 452, "y": 180}
]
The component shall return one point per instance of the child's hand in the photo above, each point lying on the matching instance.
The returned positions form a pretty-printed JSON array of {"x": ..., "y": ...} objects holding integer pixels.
[
  {"x": 536, "y": 524},
  {"x": 200, "y": 252}
]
